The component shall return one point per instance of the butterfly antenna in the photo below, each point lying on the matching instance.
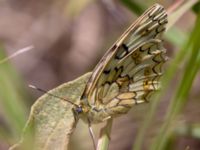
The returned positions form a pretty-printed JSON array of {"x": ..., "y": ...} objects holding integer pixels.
[{"x": 44, "y": 91}]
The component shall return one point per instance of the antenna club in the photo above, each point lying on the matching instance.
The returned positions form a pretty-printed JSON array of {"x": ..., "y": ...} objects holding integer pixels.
[{"x": 32, "y": 86}]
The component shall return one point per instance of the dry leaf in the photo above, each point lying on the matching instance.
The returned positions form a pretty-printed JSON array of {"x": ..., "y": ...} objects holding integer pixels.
[{"x": 51, "y": 121}]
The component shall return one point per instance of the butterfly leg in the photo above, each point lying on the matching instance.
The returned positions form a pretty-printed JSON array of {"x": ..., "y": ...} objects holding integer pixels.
[{"x": 91, "y": 134}]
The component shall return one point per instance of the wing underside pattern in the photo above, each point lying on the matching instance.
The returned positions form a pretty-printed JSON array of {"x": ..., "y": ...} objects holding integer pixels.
[{"x": 129, "y": 72}]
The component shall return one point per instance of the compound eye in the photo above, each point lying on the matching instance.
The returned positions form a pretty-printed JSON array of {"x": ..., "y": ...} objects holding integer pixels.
[{"x": 79, "y": 110}]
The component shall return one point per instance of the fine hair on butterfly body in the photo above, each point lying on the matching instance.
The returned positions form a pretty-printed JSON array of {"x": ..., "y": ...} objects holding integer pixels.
[{"x": 129, "y": 72}]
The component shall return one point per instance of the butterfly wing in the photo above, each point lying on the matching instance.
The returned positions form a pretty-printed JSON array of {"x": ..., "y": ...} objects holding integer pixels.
[{"x": 130, "y": 70}]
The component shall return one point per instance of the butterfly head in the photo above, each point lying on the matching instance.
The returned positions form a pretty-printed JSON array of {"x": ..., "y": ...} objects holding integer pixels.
[{"x": 80, "y": 109}]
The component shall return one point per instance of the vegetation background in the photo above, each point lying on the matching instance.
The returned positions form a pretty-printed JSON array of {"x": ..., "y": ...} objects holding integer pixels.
[{"x": 69, "y": 38}]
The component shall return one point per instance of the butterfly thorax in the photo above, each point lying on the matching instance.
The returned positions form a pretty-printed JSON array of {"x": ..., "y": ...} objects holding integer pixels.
[{"x": 92, "y": 114}]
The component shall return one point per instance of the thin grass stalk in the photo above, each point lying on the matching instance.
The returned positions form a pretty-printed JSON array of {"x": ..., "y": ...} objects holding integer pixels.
[
  {"x": 104, "y": 139},
  {"x": 180, "y": 97},
  {"x": 169, "y": 74}
]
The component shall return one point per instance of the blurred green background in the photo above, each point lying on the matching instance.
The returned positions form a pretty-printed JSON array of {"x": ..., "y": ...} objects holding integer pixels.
[{"x": 69, "y": 38}]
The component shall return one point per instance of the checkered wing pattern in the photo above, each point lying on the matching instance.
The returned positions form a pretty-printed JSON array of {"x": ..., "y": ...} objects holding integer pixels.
[{"x": 130, "y": 70}]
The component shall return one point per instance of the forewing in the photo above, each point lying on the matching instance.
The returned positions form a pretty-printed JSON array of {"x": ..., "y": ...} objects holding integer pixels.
[{"x": 130, "y": 70}]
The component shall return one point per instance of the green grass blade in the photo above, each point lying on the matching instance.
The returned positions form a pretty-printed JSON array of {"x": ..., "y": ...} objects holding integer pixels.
[
  {"x": 12, "y": 97},
  {"x": 169, "y": 74},
  {"x": 135, "y": 7},
  {"x": 180, "y": 97}
]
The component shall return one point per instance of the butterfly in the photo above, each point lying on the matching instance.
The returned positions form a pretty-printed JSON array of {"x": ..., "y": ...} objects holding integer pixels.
[{"x": 129, "y": 72}]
